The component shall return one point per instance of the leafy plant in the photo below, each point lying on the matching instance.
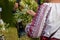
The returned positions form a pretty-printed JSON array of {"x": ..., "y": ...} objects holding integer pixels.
[
  {"x": 3, "y": 25},
  {"x": 21, "y": 12}
]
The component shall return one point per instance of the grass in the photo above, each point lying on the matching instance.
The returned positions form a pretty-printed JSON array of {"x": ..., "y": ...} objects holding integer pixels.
[{"x": 11, "y": 34}]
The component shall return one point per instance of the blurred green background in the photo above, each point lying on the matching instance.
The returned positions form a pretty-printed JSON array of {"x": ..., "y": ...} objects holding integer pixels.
[{"x": 6, "y": 15}]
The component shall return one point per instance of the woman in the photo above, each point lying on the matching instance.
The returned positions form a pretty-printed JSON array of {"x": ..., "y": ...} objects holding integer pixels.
[{"x": 52, "y": 30}]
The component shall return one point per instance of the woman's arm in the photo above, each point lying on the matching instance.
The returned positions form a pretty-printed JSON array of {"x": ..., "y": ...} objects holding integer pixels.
[{"x": 31, "y": 12}]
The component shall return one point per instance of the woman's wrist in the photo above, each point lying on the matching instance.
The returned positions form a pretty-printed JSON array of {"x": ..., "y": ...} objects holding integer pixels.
[{"x": 31, "y": 12}]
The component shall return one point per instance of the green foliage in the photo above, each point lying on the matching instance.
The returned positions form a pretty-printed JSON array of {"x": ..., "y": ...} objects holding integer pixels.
[
  {"x": 7, "y": 6},
  {"x": 41, "y": 1},
  {"x": 6, "y": 11},
  {"x": 3, "y": 27},
  {"x": 22, "y": 14},
  {"x": 31, "y": 4}
]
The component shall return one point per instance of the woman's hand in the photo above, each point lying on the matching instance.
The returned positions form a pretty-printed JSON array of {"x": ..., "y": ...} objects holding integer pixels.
[{"x": 31, "y": 12}]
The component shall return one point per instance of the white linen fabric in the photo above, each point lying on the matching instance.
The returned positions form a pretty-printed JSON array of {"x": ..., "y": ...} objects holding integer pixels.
[{"x": 53, "y": 21}]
